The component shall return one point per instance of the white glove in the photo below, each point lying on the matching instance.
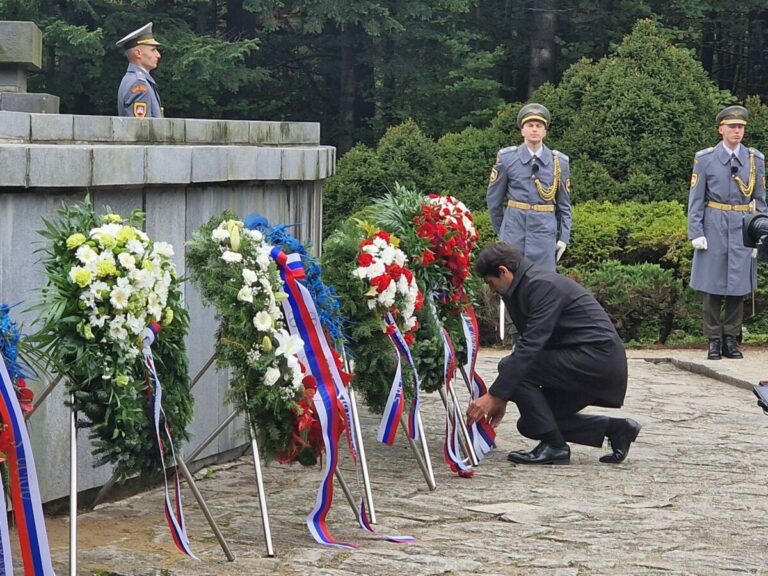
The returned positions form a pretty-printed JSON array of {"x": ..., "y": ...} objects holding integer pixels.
[
  {"x": 560, "y": 250},
  {"x": 699, "y": 243},
  {"x": 754, "y": 252}
]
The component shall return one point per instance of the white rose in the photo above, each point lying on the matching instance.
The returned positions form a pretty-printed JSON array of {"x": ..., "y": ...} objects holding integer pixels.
[
  {"x": 271, "y": 376},
  {"x": 245, "y": 294},
  {"x": 249, "y": 277},
  {"x": 220, "y": 234}
]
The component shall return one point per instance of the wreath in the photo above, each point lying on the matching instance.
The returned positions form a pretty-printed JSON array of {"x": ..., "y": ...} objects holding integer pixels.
[
  {"x": 232, "y": 267},
  {"x": 107, "y": 281},
  {"x": 370, "y": 273}
]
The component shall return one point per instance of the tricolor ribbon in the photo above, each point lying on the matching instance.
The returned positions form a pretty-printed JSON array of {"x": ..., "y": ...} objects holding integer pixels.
[
  {"x": 396, "y": 401},
  {"x": 452, "y": 443},
  {"x": 481, "y": 433},
  {"x": 25, "y": 491},
  {"x": 302, "y": 319},
  {"x": 173, "y": 515}
]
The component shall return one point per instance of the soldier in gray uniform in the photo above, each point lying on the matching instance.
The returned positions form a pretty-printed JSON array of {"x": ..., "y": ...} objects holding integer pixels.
[
  {"x": 137, "y": 95},
  {"x": 728, "y": 182},
  {"x": 529, "y": 192}
]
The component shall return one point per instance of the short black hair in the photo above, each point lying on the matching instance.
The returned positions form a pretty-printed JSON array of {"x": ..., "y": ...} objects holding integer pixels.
[{"x": 495, "y": 255}]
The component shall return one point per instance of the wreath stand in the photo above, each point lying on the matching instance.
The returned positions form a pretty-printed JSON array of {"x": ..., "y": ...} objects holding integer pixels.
[
  {"x": 180, "y": 464},
  {"x": 258, "y": 471}
]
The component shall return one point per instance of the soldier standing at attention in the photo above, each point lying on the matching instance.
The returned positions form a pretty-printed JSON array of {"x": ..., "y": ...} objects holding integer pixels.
[
  {"x": 529, "y": 193},
  {"x": 728, "y": 182},
  {"x": 137, "y": 95}
]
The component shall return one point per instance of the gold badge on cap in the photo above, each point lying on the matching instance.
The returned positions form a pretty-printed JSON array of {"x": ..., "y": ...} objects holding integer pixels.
[{"x": 140, "y": 109}]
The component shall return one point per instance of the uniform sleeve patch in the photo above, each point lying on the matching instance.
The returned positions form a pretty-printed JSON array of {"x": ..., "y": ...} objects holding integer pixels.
[
  {"x": 568, "y": 185},
  {"x": 694, "y": 179},
  {"x": 140, "y": 109},
  {"x": 138, "y": 88},
  {"x": 494, "y": 174}
]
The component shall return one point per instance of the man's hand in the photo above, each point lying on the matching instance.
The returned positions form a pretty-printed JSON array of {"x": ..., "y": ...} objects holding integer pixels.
[
  {"x": 560, "y": 250},
  {"x": 487, "y": 407},
  {"x": 699, "y": 243}
]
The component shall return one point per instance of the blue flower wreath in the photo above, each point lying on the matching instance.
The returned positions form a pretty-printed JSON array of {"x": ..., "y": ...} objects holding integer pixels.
[
  {"x": 325, "y": 297},
  {"x": 10, "y": 336}
]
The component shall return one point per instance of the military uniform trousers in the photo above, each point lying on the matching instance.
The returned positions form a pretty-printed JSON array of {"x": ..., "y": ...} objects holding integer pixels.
[{"x": 733, "y": 315}]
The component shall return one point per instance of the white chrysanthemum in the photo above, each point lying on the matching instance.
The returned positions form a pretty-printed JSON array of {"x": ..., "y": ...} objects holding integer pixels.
[
  {"x": 298, "y": 376},
  {"x": 271, "y": 376},
  {"x": 97, "y": 320},
  {"x": 263, "y": 321},
  {"x": 220, "y": 234},
  {"x": 380, "y": 243},
  {"x": 400, "y": 258},
  {"x": 117, "y": 329},
  {"x": 388, "y": 255},
  {"x": 112, "y": 229},
  {"x": 250, "y": 277},
  {"x": 245, "y": 294},
  {"x": 231, "y": 257},
  {"x": 255, "y": 234},
  {"x": 371, "y": 303},
  {"x": 100, "y": 289},
  {"x": 371, "y": 248},
  {"x": 154, "y": 305},
  {"x": 135, "y": 325},
  {"x": 402, "y": 285},
  {"x": 86, "y": 255},
  {"x": 376, "y": 269},
  {"x": 163, "y": 249},
  {"x": 288, "y": 344},
  {"x": 263, "y": 260},
  {"x": 142, "y": 236},
  {"x": 89, "y": 298},
  {"x": 126, "y": 260},
  {"x": 105, "y": 256},
  {"x": 119, "y": 297},
  {"x": 135, "y": 246},
  {"x": 142, "y": 279}
]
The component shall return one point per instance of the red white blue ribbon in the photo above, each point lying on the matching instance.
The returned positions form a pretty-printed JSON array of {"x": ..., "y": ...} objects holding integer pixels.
[
  {"x": 25, "y": 491},
  {"x": 451, "y": 444},
  {"x": 173, "y": 514},
  {"x": 396, "y": 402},
  {"x": 303, "y": 320},
  {"x": 481, "y": 433}
]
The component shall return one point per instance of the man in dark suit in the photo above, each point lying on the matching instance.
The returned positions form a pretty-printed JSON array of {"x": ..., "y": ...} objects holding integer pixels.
[{"x": 568, "y": 356}]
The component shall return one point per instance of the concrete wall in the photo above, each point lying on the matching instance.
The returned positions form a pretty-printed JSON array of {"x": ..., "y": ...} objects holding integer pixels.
[{"x": 180, "y": 172}]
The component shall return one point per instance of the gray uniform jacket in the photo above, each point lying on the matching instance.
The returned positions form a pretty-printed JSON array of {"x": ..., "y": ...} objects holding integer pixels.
[
  {"x": 726, "y": 267},
  {"x": 534, "y": 232},
  {"x": 137, "y": 95}
]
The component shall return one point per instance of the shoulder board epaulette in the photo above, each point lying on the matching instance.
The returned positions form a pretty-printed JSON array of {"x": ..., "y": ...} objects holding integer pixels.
[
  {"x": 757, "y": 153},
  {"x": 704, "y": 152},
  {"x": 563, "y": 156},
  {"x": 507, "y": 150}
]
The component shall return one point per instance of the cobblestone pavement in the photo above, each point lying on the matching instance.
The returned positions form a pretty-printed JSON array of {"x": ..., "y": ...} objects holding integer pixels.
[{"x": 691, "y": 499}]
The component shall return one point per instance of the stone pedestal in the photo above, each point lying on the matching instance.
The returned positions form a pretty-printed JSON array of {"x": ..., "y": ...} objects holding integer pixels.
[{"x": 21, "y": 49}]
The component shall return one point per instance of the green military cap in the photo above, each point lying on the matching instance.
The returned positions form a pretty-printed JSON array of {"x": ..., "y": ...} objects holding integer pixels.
[
  {"x": 732, "y": 115},
  {"x": 141, "y": 37},
  {"x": 533, "y": 111}
]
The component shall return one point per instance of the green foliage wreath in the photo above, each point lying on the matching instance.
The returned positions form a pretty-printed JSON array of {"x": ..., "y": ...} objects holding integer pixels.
[{"x": 106, "y": 282}]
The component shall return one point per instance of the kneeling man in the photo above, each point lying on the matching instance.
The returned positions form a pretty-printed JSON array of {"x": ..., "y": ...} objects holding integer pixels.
[{"x": 568, "y": 356}]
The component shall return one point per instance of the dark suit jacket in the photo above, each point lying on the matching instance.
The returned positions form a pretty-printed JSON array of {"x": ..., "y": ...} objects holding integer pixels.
[{"x": 566, "y": 340}]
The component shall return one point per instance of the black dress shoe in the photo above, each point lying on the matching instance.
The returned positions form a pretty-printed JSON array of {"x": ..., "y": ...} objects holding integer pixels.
[
  {"x": 714, "y": 349},
  {"x": 731, "y": 348},
  {"x": 543, "y": 454},
  {"x": 621, "y": 441}
]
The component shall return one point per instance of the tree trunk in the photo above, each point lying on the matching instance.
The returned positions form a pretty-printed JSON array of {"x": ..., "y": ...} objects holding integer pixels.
[
  {"x": 543, "y": 30},
  {"x": 347, "y": 65}
]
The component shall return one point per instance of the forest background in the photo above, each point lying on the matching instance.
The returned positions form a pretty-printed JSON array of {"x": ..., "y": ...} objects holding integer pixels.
[{"x": 425, "y": 92}]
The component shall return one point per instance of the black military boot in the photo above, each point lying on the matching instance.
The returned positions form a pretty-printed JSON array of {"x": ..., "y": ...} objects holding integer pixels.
[
  {"x": 714, "y": 349},
  {"x": 731, "y": 347}
]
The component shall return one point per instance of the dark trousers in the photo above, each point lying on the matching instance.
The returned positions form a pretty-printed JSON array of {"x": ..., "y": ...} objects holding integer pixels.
[
  {"x": 732, "y": 308},
  {"x": 544, "y": 410}
]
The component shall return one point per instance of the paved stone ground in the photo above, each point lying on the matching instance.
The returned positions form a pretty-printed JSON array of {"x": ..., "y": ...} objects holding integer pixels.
[{"x": 691, "y": 499}]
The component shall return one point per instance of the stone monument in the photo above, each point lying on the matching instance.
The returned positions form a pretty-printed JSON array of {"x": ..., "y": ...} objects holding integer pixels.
[{"x": 21, "y": 49}]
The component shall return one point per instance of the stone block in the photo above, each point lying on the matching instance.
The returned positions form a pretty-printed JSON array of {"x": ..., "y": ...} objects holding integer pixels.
[
  {"x": 299, "y": 133},
  {"x": 13, "y": 165},
  {"x": 52, "y": 127},
  {"x": 166, "y": 130},
  {"x": 59, "y": 166},
  {"x": 92, "y": 129},
  {"x": 264, "y": 133},
  {"x": 13, "y": 78},
  {"x": 254, "y": 163},
  {"x": 15, "y": 126},
  {"x": 33, "y": 103},
  {"x": 238, "y": 131},
  {"x": 127, "y": 129},
  {"x": 210, "y": 164},
  {"x": 118, "y": 165},
  {"x": 169, "y": 164},
  {"x": 21, "y": 43},
  {"x": 299, "y": 164}
]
